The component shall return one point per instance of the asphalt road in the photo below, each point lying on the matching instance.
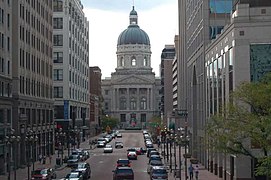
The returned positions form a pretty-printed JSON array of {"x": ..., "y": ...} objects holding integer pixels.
[{"x": 102, "y": 164}]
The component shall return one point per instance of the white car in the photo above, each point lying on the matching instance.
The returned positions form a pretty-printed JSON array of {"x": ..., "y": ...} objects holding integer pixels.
[
  {"x": 119, "y": 135},
  {"x": 108, "y": 148}
]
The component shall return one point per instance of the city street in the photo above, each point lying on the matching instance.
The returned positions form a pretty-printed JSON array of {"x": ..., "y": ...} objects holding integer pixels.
[{"x": 103, "y": 164}]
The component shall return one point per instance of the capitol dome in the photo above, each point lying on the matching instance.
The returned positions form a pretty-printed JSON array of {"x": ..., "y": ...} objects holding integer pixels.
[{"x": 133, "y": 34}]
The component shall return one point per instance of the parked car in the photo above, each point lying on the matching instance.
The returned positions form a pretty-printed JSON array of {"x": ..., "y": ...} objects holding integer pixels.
[
  {"x": 132, "y": 155},
  {"x": 123, "y": 162},
  {"x": 118, "y": 144},
  {"x": 153, "y": 163},
  {"x": 46, "y": 174},
  {"x": 123, "y": 173},
  {"x": 100, "y": 144},
  {"x": 149, "y": 150},
  {"x": 74, "y": 176},
  {"x": 73, "y": 160},
  {"x": 108, "y": 148},
  {"x": 119, "y": 135},
  {"x": 84, "y": 169},
  {"x": 155, "y": 157},
  {"x": 159, "y": 173}
]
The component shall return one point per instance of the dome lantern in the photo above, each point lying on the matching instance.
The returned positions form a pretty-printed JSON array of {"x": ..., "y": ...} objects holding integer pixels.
[{"x": 133, "y": 34}]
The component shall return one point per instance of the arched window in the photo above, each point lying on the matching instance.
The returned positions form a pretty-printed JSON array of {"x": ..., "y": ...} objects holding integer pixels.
[
  {"x": 133, "y": 103},
  {"x": 122, "y": 103},
  {"x": 133, "y": 61},
  {"x": 143, "y": 103},
  {"x": 121, "y": 61},
  {"x": 145, "y": 62}
]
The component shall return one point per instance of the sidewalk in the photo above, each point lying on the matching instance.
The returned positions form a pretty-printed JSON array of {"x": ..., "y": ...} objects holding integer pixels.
[
  {"x": 204, "y": 174},
  {"x": 22, "y": 173}
]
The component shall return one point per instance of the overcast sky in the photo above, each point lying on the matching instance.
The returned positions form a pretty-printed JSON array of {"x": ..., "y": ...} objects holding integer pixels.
[{"x": 108, "y": 18}]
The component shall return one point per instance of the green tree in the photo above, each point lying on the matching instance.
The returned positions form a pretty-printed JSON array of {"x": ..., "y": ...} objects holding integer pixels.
[
  {"x": 245, "y": 122},
  {"x": 108, "y": 121}
]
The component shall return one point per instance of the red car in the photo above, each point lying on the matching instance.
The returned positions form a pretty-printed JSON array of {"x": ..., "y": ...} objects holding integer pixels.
[
  {"x": 123, "y": 162},
  {"x": 46, "y": 174}
]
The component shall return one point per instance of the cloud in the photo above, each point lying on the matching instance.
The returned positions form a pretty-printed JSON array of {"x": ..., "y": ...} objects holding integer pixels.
[
  {"x": 123, "y": 5},
  {"x": 160, "y": 23}
]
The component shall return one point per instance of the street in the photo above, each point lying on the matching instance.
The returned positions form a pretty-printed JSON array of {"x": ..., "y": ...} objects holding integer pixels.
[{"x": 103, "y": 164}]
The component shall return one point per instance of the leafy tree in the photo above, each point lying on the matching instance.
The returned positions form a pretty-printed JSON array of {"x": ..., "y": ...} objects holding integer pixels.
[
  {"x": 245, "y": 122},
  {"x": 108, "y": 121}
]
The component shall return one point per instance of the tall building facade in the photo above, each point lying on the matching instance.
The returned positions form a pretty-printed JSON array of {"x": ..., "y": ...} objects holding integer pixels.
[
  {"x": 5, "y": 79},
  {"x": 95, "y": 81},
  {"x": 219, "y": 48},
  {"x": 132, "y": 93},
  {"x": 167, "y": 57},
  {"x": 239, "y": 54},
  {"x": 71, "y": 66},
  {"x": 32, "y": 108},
  {"x": 199, "y": 23}
]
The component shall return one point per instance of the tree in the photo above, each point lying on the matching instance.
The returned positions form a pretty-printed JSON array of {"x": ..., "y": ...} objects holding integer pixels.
[
  {"x": 245, "y": 123},
  {"x": 109, "y": 122}
]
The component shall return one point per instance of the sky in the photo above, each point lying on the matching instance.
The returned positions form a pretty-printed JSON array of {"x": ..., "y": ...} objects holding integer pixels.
[{"x": 108, "y": 18}]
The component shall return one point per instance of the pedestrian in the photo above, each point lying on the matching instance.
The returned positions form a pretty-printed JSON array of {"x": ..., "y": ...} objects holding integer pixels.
[
  {"x": 44, "y": 159},
  {"x": 40, "y": 158},
  {"x": 197, "y": 172},
  {"x": 191, "y": 171},
  {"x": 50, "y": 159}
]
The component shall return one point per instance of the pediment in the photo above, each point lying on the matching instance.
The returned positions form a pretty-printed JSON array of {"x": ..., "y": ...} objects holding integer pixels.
[{"x": 133, "y": 80}]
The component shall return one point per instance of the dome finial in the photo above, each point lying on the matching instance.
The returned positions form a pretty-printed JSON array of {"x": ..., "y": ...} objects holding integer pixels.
[{"x": 133, "y": 16}]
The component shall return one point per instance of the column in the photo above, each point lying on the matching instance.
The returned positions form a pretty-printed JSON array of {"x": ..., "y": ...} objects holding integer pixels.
[{"x": 117, "y": 99}]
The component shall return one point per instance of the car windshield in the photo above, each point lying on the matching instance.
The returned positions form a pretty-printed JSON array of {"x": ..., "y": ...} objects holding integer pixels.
[
  {"x": 72, "y": 175},
  {"x": 123, "y": 161},
  {"x": 80, "y": 166},
  {"x": 43, "y": 171},
  {"x": 159, "y": 171},
  {"x": 108, "y": 146},
  {"x": 156, "y": 163},
  {"x": 73, "y": 157}
]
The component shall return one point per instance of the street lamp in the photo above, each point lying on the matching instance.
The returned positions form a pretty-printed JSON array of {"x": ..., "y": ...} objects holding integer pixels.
[
  {"x": 30, "y": 139},
  {"x": 10, "y": 140}
]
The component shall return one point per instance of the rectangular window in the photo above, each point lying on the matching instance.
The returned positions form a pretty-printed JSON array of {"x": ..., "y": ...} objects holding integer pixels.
[
  {"x": 58, "y": 57},
  {"x": 58, "y": 23},
  {"x": 122, "y": 117},
  {"x": 143, "y": 117},
  {"x": 57, "y": 6},
  {"x": 58, "y": 92},
  {"x": 58, "y": 40},
  {"x": 58, "y": 74}
]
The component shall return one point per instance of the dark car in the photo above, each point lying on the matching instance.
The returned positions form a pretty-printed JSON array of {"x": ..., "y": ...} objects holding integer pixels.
[
  {"x": 73, "y": 160},
  {"x": 46, "y": 173},
  {"x": 155, "y": 157},
  {"x": 84, "y": 169},
  {"x": 149, "y": 150},
  {"x": 123, "y": 173},
  {"x": 123, "y": 162},
  {"x": 159, "y": 172}
]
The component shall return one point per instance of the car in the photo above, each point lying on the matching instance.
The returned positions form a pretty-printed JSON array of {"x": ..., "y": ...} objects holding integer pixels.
[
  {"x": 140, "y": 150},
  {"x": 154, "y": 152},
  {"x": 100, "y": 144},
  {"x": 132, "y": 155},
  {"x": 74, "y": 176},
  {"x": 73, "y": 160},
  {"x": 119, "y": 135},
  {"x": 154, "y": 163},
  {"x": 149, "y": 150},
  {"x": 43, "y": 173},
  {"x": 83, "y": 168},
  {"x": 123, "y": 173},
  {"x": 108, "y": 148},
  {"x": 79, "y": 152},
  {"x": 155, "y": 157},
  {"x": 158, "y": 173},
  {"x": 118, "y": 144},
  {"x": 123, "y": 162}
]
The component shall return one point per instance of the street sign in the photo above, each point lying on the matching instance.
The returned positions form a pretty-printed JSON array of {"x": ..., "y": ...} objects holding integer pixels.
[
  {"x": 66, "y": 109},
  {"x": 182, "y": 113}
]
